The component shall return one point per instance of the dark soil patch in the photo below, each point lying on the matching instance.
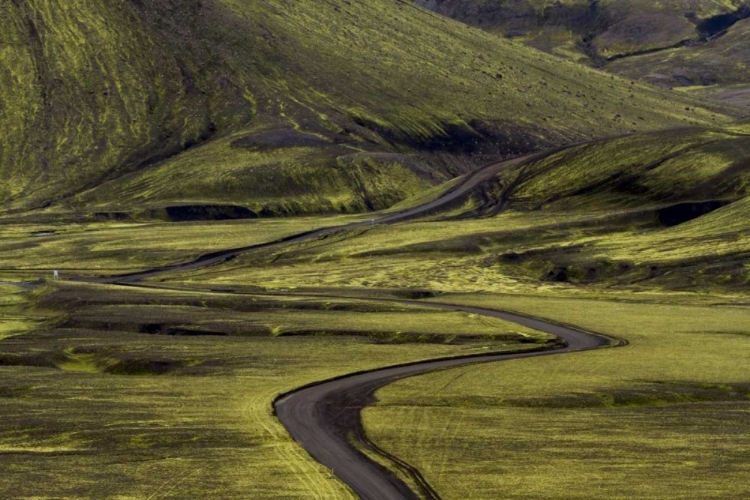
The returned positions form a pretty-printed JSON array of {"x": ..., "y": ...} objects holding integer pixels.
[
  {"x": 33, "y": 360},
  {"x": 144, "y": 367},
  {"x": 186, "y": 213},
  {"x": 113, "y": 216},
  {"x": 493, "y": 139},
  {"x": 684, "y": 212},
  {"x": 161, "y": 329},
  {"x": 415, "y": 294}
]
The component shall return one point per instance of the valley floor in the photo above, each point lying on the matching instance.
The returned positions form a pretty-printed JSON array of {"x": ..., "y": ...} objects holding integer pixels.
[{"x": 164, "y": 388}]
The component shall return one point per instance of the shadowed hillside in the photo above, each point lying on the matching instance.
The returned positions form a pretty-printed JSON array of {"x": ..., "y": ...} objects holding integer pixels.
[
  {"x": 717, "y": 68},
  {"x": 600, "y": 30},
  {"x": 660, "y": 209},
  {"x": 665, "y": 42},
  {"x": 280, "y": 107}
]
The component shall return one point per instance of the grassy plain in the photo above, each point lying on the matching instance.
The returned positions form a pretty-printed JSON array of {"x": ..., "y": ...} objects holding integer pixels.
[
  {"x": 135, "y": 393},
  {"x": 664, "y": 417},
  {"x": 513, "y": 251},
  {"x": 37, "y": 247}
]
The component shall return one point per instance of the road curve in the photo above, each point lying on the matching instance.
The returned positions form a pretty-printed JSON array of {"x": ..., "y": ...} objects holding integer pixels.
[
  {"x": 324, "y": 417},
  {"x": 471, "y": 180}
]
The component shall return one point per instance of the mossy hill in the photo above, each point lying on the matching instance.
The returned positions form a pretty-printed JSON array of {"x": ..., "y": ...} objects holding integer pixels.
[{"x": 280, "y": 107}]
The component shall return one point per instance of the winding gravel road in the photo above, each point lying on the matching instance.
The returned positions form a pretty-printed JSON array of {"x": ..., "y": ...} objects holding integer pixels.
[{"x": 325, "y": 417}]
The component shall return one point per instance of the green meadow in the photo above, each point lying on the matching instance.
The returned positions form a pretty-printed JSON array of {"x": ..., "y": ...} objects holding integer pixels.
[
  {"x": 153, "y": 132},
  {"x": 663, "y": 417},
  {"x": 136, "y": 393},
  {"x": 660, "y": 210},
  {"x": 36, "y": 247}
]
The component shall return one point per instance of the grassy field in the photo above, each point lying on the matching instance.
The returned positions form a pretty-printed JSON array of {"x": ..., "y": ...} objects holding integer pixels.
[
  {"x": 664, "y": 417},
  {"x": 133, "y": 393},
  {"x": 512, "y": 252},
  {"x": 15, "y": 318},
  {"x": 37, "y": 247}
]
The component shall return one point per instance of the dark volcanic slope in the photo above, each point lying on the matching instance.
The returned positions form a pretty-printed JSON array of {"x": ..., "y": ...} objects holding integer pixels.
[
  {"x": 323, "y": 418},
  {"x": 724, "y": 60},
  {"x": 682, "y": 41},
  {"x": 278, "y": 106}
]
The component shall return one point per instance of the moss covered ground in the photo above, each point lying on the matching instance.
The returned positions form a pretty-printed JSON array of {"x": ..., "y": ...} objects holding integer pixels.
[
  {"x": 35, "y": 247},
  {"x": 663, "y": 210},
  {"x": 143, "y": 392},
  {"x": 122, "y": 118},
  {"x": 138, "y": 393},
  {"x": 664, "y": 417},
  {"x": 695, "y": 46}
]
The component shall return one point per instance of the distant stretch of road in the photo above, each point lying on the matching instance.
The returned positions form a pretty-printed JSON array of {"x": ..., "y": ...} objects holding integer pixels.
[
  {"x": 471, "y": 181},
  {"x": 325, "y": 417}
]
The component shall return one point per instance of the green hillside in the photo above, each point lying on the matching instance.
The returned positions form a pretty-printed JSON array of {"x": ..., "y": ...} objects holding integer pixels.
[
  {"x": 144, "y": 104},
  {"x": 655, "y": 210},
  {"x": 717, "y": 65},
  {"x": 649, "y": 170}
]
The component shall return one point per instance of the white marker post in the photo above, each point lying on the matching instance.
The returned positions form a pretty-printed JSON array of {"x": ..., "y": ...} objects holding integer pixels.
[{"x": 55, "y": 275}]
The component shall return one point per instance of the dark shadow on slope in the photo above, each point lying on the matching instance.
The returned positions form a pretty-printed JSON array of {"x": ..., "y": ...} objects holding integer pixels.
[
  {"x": 275, "y": 139},
  {"x": 684, "y": 212},
  {"x": 493, "y": 139},
  {"x": 715, "y": 26},
  {"x": 144, "y": 367},
  {"x": 185, "y": 213}
]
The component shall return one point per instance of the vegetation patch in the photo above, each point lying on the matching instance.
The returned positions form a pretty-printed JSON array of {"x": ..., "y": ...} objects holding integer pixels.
[{"x": 652, "y": 415}]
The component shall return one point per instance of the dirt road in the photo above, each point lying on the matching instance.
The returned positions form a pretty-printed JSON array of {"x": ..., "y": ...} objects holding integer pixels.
[{"x": 325, "y": 418}]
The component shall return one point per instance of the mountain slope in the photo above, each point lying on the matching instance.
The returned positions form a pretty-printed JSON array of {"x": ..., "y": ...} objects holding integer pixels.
[
  {"x": 239, "y": 97},
  {"x": 721, "y": 61},
  {"x": 671, "y": 43},
  {"x": 598, "y": 30},
  {"x": 654, "y": 170}
]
